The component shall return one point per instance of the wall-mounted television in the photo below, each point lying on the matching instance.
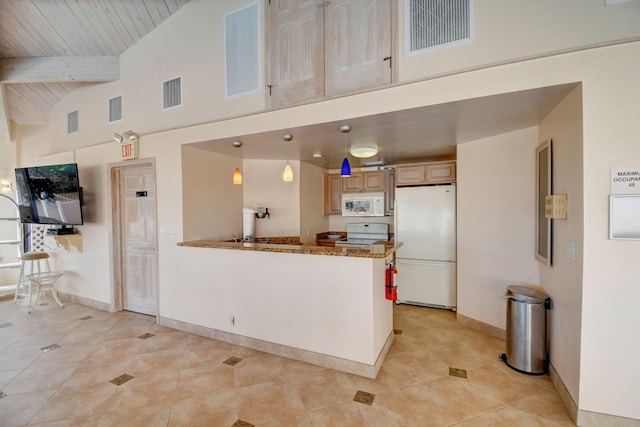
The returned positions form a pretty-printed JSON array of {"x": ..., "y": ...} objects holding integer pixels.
[{"x": 49, "y": 195}]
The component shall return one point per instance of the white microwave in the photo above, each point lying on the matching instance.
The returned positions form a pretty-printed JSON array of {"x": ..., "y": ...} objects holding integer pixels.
[{"x": 363, "y": 204}]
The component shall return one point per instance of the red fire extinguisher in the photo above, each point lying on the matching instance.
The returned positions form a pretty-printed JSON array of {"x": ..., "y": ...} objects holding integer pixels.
[{"x": 391, "y": 283}]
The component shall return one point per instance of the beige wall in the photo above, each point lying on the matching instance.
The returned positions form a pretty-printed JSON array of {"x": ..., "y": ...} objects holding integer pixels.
[
  {"x": 496, "y": 222},
  {"x": 264, "y": 187},
  {"x": 563, "y": 279},
  {"x": 610, "y": 129},
  {"x": 211, "y": 203},
  {"x": 189, "y": 44},
  {"x": 312, "y": 220},
  {"x": 522, "y": 29}
]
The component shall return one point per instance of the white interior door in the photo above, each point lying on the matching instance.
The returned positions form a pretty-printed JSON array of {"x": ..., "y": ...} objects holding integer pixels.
[{"x": 138, "y": 246}]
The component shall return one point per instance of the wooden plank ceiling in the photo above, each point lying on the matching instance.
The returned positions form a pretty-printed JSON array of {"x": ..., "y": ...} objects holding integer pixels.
[{"x": 48, "y": 48}]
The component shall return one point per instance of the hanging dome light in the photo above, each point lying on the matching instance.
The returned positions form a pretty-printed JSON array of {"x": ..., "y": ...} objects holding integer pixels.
[{"x": 345, "y": 170}]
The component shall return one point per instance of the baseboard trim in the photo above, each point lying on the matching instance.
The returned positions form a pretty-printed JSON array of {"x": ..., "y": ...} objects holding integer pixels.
[
  {"x": 596, "y": 419},
  {"x": 357, "y": 368},
  {"x": 563, "y": 391},
  {"x": 481, "y": 326},
  {"x": 86, "y": 301}
]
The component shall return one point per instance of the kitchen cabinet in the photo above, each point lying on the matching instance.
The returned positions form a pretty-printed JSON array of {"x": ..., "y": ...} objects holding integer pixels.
[
  {"x": 426, "y": 173},
  {"x": 410, "y": 174},
  {"x": 332, "y": 194},
  {"x": 441, "y": 172},
  {"x": 390, "y": 195},
  {"x": 360, "y": 182},
  {"x": 353, "y": 183},
  {"x": 325, "y": 49}
]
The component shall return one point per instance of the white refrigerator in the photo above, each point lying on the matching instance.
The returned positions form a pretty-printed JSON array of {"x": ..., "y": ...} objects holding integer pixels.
[{"x": 425, "y": 222}]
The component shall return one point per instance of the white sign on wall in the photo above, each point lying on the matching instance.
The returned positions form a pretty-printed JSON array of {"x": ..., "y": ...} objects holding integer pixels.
[{"x": 625, "y": 181}]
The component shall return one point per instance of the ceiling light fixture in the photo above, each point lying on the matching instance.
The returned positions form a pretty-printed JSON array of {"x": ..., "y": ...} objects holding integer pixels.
[
  {"x": 345, "y": 170},
  {"x": 6, "y": 186},
  {"x": 287, "y": 173},
  {"x": 237, "y": 175},
  {"x": 131, "y": 136},
  {"x": 364, "y": 152}
]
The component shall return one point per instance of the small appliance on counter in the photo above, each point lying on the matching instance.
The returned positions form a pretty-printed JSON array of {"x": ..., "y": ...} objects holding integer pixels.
[
  {"x": 249, "y": 216},
  {"x": 360, "y": 235}
]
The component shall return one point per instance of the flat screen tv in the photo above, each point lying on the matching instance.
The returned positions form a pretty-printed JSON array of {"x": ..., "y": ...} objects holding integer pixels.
[{"x": 49, "y": 195}]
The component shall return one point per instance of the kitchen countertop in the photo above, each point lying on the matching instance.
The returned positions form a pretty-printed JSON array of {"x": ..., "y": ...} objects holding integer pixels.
[{"x": 381, "y": 250}]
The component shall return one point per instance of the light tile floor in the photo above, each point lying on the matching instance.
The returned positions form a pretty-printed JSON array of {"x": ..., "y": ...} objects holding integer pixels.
[{"x": 180, "y": 379}]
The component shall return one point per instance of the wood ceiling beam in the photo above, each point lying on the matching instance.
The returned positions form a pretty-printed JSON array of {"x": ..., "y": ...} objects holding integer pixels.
[
  {"x": 5, "y": 135},
  {"x": 90, "y": 69}
]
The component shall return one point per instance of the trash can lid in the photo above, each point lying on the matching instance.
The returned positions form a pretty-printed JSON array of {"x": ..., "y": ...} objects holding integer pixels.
[{"x": 526, "y": 294}]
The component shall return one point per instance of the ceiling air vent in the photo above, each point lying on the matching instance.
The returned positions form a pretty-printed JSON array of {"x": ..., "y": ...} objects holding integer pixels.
[
  {"x": 115, "y": 109},
  {"x": 435, "y": 23},
  {"x": 72, "y": 122},
  {"x": 172, "y": 93}
]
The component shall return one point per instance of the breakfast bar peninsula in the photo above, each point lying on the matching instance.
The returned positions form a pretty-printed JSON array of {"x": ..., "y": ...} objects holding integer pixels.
[{"x": 316, "y": 304}]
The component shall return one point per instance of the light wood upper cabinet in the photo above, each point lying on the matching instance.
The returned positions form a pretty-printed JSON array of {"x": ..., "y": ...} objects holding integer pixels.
[
  {"x": 390, "y": 195},
  {"x": 441, "y": 172},
  {"x": 373, "y": 181},
  {"x": 352, "y": 184},
  {"x": 332, "y": 195},
  {"x": 411, "y": 174},
  {"x": 297, "y": 51},
  {"x": 360, "y": 182},
  {"x": 426, "y": 173},
  {"x": 324, "y": 49}
]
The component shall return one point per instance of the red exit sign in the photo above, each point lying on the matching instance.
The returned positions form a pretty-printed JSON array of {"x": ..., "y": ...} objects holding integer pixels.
[{"x": 129, "y": 150}]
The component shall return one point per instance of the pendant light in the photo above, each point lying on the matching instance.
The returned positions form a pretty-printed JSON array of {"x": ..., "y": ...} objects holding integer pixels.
[
  {"x": 345, "y": 170},
  {"x": 287, "y": 174},
  {"x": 237, "y": 175}
]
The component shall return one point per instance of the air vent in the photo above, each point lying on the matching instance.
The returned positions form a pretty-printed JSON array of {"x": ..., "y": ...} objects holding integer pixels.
[
  {"x": 115, "y": 109},
  {"x": 435, "y": 23},
  {"x": 72, "y": 122},
  {"x": 172, "y": 93}
]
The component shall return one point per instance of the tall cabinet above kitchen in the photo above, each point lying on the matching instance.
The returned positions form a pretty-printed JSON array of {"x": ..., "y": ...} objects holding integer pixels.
[{"x": 324, "y": 49}]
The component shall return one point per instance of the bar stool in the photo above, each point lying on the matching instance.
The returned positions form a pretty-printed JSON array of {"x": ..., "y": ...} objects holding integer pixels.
[
  {"x": 40, "y": 276},
  {"x": 39, "y": 262}
]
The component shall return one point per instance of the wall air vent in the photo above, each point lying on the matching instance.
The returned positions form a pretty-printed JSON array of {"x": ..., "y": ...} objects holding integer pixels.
[
  {"x": 172, "y": 93},
  {"x": 436, "y": 23},
  {"x": 115, "y": 109},
  {"x": 72, "y": 122}
]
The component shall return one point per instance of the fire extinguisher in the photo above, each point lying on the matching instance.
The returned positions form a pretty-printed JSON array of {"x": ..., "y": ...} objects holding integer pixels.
[{"x": 391, "y": 283}]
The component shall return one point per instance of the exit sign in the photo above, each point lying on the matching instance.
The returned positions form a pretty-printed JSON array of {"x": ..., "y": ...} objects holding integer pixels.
[{"x": 129, "y": 150}]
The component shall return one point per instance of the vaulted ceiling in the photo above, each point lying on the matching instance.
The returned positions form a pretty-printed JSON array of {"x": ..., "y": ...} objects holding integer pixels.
[{"x": 48, "y": 48}]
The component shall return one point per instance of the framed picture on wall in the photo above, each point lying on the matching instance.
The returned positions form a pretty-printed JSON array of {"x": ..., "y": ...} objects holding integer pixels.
[{"x": 543, "y": 189}]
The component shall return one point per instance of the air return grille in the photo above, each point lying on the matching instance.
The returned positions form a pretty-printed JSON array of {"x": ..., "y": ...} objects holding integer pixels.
[
  {"x": 115, "y": 109},
  {"x": 172, "y": 93},
  {"x": 434, "y": 23},
  {"x": 72, "y": 122}
]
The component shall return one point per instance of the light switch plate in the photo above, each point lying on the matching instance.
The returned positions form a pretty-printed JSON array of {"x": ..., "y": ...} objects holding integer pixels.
[{"x": 571, "y": 249}]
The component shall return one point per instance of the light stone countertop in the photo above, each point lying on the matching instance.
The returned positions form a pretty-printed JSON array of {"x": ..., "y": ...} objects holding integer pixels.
[{"x": 381, "y": 250}]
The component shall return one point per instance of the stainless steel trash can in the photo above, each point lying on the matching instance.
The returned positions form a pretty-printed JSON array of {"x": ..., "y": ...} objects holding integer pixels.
[{"x": 527, "y": 330}]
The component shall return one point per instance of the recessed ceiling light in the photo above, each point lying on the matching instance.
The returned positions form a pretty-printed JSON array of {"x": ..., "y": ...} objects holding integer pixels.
[{"x": 317, "y": 154}]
